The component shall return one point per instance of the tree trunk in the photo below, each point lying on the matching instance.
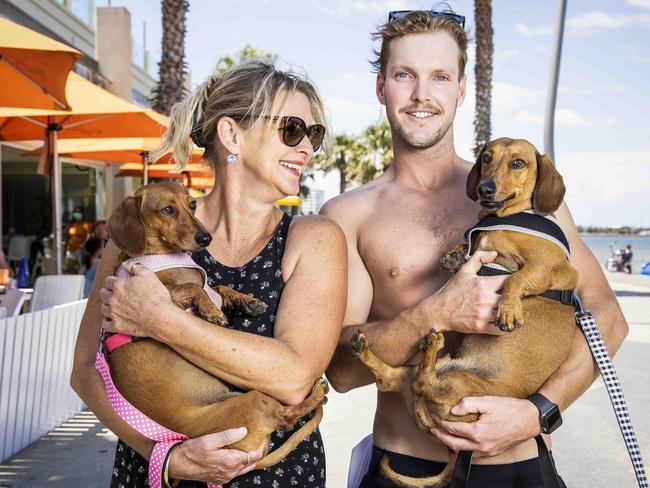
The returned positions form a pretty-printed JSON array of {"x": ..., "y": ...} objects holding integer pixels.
[
  {"x": 483, "y": 73},
  {"x": 343, "y": 181},
  {"x": 172, "y": 68}
]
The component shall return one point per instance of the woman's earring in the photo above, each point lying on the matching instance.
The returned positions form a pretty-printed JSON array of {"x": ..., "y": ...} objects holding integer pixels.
[{"x": 231, "y": 159}]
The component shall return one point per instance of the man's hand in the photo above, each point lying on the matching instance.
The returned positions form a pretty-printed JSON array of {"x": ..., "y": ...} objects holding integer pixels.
[
  {"x": 205, "y": 459},
  {"x": 468, "y": 302},
  {"x": 503, "y": 423}
]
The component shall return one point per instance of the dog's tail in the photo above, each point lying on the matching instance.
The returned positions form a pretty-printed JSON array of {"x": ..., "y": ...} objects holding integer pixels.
[
  {"x": 296, "y": 438},
  {"x": 440, "y": 480}
]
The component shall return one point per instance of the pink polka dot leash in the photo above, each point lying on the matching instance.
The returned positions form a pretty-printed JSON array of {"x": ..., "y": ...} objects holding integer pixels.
[{"x": 165, "y": 438}]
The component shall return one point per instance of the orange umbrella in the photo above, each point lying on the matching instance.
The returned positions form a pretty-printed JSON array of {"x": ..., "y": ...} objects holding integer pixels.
[
  {"x": 33, "y": 68},
  {"x": 94, "y": 113}
]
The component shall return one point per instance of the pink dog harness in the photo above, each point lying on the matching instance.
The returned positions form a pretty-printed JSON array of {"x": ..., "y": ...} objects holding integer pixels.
[{"x": 164, "y": 437}]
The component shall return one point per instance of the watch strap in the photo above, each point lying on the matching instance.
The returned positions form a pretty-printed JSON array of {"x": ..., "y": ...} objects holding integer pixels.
[{"x": 545, "y": 407}]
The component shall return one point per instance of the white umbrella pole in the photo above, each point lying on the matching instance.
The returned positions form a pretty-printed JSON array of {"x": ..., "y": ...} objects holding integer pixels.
[
  {"x": 1, "y": 209},
  {"x": 57, "y": 196},
  {"x": 549, "y": 121}
]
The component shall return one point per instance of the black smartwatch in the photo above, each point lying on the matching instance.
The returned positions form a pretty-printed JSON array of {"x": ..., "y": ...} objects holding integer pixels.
[{"x": 549, "y": 413}]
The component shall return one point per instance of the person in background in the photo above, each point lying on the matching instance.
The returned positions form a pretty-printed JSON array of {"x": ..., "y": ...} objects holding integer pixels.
[
  {"x": 92, "y": 255},
  {"x": 76, "y": 235},
  {"x": 100, "y": 230},
  {"x": 626, "y": 255}
]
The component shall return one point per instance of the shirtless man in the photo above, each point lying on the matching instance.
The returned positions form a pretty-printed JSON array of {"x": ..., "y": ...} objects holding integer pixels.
[{"x": 397, "y": 228}]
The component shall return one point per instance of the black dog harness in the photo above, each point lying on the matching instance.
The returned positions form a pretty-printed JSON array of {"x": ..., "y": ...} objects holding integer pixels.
[{"x": 526, "y": 223}]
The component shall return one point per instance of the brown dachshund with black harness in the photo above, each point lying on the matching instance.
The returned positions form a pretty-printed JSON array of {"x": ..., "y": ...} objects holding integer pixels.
[
  {"x": 159, "y": 220},
  {"x": 510, "y": 178}
]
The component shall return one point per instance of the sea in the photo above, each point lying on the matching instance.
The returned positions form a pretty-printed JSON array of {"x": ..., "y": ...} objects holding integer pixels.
[{"x": 603, "y": 246}]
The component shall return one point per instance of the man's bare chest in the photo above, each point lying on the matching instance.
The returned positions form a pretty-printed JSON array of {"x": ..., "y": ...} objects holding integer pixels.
[{"x": 401, "y": 248}]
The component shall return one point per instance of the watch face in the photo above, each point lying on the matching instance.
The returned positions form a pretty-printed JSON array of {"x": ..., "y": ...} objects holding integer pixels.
[{"x": 553, "y": 420}]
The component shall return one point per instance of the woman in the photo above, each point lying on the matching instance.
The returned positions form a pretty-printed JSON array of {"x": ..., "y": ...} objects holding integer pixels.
[{"x": 250, "y": 121}]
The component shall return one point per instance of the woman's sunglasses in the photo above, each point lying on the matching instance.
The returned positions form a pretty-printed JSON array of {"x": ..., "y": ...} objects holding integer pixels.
[{"x": 294, "y": 130}]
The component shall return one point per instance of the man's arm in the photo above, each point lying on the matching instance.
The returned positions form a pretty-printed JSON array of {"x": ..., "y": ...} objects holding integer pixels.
[
  {"x": 579, "y": 371},
  {"x": 344, "y": 371},
  {"x": 466, "y": 303},
  {"x": 505, "y": 422}
]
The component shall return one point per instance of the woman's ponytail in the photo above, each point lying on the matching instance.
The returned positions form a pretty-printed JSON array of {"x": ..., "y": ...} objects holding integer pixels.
[{"x": 186, "y": 126}]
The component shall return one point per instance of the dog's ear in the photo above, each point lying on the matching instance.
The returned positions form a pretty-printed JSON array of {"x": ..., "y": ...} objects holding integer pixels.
[
  {"x": 474, "y": 176},
  {"x": 549, "y": 188},
  {"x": 127, "y": 228}
]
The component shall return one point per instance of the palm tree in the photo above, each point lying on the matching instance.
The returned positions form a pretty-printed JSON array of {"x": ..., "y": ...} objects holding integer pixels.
[
  {"x": 483, "y": 73},
  {"x": 345, "y": 154},
  {"x": 247, "y": 52},
  {"x": 172, "y": 68},
  {"x": 377, "y": 139}
]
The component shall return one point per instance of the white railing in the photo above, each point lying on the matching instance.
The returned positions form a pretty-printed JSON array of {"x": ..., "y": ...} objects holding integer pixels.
[{"x": 36, "y": 355}]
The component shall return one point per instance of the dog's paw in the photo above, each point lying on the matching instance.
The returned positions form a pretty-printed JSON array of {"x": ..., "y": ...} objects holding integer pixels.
[
  {"x": 454, "y": 259},
  {"x": 359, "y": 343},
  {"x": 433, "y": 340},
  {"x": 510, "y": 317},
  {"x": 321, "y": 388},
  {"x": 254, "y": 307},
  {"x": 216, "y": 317}
]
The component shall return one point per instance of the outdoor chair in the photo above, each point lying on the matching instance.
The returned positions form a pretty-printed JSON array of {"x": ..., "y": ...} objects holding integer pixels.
[
  {"x": 50, "y": 291},
  {"x": 19, "y": 246},
  {"x": 11, "y": 302},
  {"x": 44, "y": 266}
]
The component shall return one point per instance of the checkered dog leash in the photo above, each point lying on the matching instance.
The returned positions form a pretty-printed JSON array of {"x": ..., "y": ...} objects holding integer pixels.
[{"x": 587, "y": 323}]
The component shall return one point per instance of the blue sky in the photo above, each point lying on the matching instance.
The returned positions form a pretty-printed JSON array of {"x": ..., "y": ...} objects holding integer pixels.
[{"x": 602, "y": 136}]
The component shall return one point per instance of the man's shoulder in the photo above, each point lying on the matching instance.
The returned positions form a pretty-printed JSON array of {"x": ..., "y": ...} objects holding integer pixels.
[{"x": 353, "y": 205}]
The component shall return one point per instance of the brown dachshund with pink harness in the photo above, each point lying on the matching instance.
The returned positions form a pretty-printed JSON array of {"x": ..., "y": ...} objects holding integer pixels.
[{"x": 149, "y": 381}]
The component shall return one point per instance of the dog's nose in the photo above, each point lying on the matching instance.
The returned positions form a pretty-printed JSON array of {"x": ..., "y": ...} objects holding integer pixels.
[
  {"x": 203, "y": 239},
  {"x": 487, "y": 189}
]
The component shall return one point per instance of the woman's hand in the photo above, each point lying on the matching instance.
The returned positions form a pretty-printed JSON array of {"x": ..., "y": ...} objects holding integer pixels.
[
  {"x": 134, "y": 305},
  {"x": 204, "y": 458}
]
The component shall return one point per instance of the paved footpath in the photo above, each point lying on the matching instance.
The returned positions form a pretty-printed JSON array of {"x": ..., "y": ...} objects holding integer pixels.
[{"x": 589, "y": 448}]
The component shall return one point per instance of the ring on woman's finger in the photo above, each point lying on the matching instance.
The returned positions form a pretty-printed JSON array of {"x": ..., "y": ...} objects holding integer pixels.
[
  {"x": 134, "y": 267},
  {"x": 248, "y": 459}
]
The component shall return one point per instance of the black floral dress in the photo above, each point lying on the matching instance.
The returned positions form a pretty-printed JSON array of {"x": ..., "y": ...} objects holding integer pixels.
[{"x": 261, "y": 277}]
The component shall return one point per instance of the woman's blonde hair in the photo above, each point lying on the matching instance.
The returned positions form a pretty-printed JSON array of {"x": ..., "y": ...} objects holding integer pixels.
[{"x": 250, "y": 93}]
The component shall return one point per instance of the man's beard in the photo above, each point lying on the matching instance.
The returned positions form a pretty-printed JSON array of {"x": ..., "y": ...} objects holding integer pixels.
[{"x": 409, "y": 140}]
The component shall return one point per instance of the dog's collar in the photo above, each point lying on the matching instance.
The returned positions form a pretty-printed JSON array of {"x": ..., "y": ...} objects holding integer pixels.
[{"x": 525, "y": 222}]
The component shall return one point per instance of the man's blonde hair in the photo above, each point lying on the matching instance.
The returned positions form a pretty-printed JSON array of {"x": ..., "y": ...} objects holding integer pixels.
[
  {"x": 418, "y": 22},
  {"x": 251, "y": 93}
]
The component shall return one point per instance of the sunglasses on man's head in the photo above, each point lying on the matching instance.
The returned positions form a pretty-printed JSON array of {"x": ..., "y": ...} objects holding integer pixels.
[{"x": 400, "y": 14}]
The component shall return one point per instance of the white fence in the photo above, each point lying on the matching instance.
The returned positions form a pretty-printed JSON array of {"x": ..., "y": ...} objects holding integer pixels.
[{"x": 36, "y": 355}]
